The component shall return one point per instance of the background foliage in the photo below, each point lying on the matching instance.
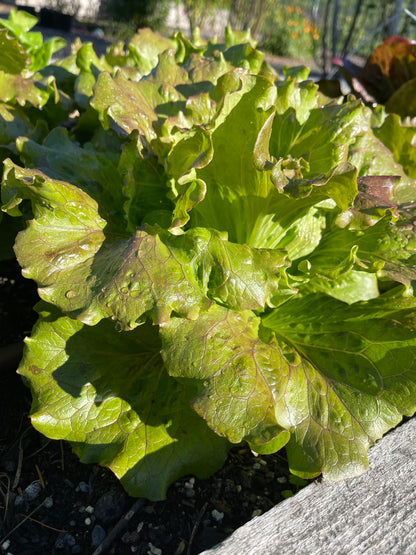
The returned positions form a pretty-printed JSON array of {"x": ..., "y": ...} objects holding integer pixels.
[{"x": 302, "y": 29}]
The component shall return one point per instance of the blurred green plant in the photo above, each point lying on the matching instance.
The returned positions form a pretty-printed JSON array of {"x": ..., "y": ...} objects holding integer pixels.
[
  {"x": 289, "y": 31},
  {"x": 245, "y": 14},
  {"x": 139, "y": 13},
  {"x": 198, "y": 11},
  {"x": 117, "y": 30}
]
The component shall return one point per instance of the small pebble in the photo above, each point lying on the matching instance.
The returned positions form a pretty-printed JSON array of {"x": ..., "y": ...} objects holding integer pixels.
[
  {"x": 5, "y": 545},
  {"x": 64, "y": 540},
  {"x": 190, "y": 483},
  {"x": 109, "y": 507},
  {"x": 282, "y": 479},
  {"x": 32, "y": 490},
  {"x": 89, "y": 509},
  {"x": 130, "y": 537},
  {"x": 238, "y": 488},
  {"x": 154, "y": 550},
  {"x": 256, "y": 512},
  {"x": 134, "y": 536},
  {"x": 60, "y": 541},
  {"x": 98, "y": 535},
  {"x": 70, "y": 540},
  {"x": 84, "y": 487},
  {"x": 87, "y": 521},
  {"x": 48, "y": 503},
  {"x": 217, "y": 515},
  {"x": 256, "y": 466},
  {"x": 72, "y": 523}
]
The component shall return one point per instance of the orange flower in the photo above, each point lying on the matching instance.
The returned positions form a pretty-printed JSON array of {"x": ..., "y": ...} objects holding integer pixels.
[
  {"x": 294, "y": 35},
  {"x": 290, "y": 9}
]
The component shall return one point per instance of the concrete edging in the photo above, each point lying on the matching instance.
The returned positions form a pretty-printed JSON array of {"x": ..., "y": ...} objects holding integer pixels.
[{"x": 373, "y": 514}]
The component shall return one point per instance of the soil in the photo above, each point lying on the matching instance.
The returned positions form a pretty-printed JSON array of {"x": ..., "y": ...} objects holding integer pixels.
[{"x": 51, "y": 503}]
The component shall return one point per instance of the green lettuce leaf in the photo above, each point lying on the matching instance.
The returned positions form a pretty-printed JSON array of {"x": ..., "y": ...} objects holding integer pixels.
[
  {"x": 321, "y": 140},
  {"x": 14, "y": 59},
  {"x": 402, "y": 102},
  {"x": 109, "y": 395},
  {"x": 94, "y": 172},
  {"x": 13, "y": 124},
  {"x": 352, "y": 377},
  {"x": 145, "y": 48},
  {"x": 125, "y": 275},
  {"x": 328, "y": 374},
  {"x": 144, "y": 105},
  {"x": 27, "y": 90},
  {"x": 383, "y": 249},
  {"x": 243, "y": 184},
  {"x": 400, "y": 140},
  {"x": 222, "y": 352},
  {"x": 145, "y": 187},
  {"x": 371, "y": 157}
]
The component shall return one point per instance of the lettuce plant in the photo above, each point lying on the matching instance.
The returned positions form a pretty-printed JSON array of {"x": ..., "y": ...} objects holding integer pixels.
[{"x": 222, "y": 256}]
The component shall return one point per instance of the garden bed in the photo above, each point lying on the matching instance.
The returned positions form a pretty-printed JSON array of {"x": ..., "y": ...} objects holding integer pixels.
[{"x": 372, "y": 514}]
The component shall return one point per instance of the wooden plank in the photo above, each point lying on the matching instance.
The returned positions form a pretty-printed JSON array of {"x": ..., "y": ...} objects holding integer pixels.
[{"x": 373, "y": 514}]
